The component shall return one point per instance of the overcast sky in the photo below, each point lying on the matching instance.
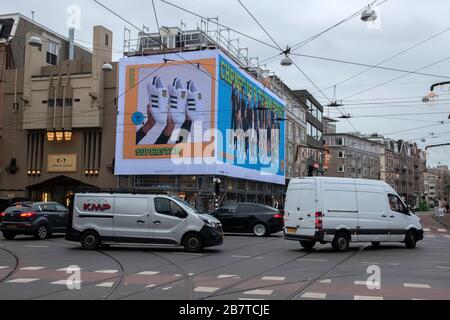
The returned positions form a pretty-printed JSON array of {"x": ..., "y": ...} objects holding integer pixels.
[{"x": 402, "y": 24}]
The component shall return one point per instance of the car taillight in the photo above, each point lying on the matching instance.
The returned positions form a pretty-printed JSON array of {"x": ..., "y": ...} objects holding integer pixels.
[
  {"x": 27, "y": 214},
  {"x": 278, "y": 216},
  {"x": 319, "y": 221},
  {"x": 3, "y": 214}
]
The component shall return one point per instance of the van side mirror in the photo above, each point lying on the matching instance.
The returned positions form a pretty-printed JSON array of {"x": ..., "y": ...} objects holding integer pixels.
[{"x": 182, "y": 214}]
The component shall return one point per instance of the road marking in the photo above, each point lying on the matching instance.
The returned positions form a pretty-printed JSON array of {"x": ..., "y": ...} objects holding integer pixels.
[
  {"x": 151, "y": 286},
  {"x": 273, "y": 278},
  {"x": 32, "y": 268},
  {"x": 206, "y": 289},
  {"x": 243, "y": 257},
  {"x": 1, "y": 245},
  {"x": 250, "y": 299},
  {"x": 167, "y": 288},
  {"x": 259, "y": 258},
  {"x": 442, "y": 230},
  {"x": 393, "y": 264},
  {"x": 417, "y": 285},
  {"x": 178, "y": 275},
  {"x": 227, "y": 276},
  {"x": 313, "y": 260},
  {"x": 189, "y": 254},
  {"x": 37, "y": 246},
  {"x": 259, "y": 292},
  {"x": 65, "y": 282},
  {"x": 325, "y": 281},
  {"x": 426, "y": 229},
  {"x": 367, "y": 298},
  {"x": 107, "y": 271},
  {"x": 312, "y": 295},
  {"x": 360, "y": 283},
  {"x": 149, "y": 273},
  {"x": 3, "y": 267},
  {"x": 439, "y": 267},
  {"x": 447, "y": 236},
  {"x": 367, "y": 283},
  {"x": 368, "y": 262},
  {"x": 68, "y": 269},
  {"x": 191, "y": 274},
  {"x": 22, "y": 280},
  {"x": 430, "y": 236},
  {"x": 105, "y": 285}
]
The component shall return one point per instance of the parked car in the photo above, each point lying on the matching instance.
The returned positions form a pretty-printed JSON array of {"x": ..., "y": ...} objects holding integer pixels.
[
  {"x": 40, "y": 219},
  {"x": 340, "y": 211},
  {"x": 8, "y": 202},
  {"x": 103, "y": 219},
  {"x": 261, "y": 220}
]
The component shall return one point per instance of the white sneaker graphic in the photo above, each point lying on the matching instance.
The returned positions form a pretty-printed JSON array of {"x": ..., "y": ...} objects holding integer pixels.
[
  {"x": 177, "y": 102},
  {"x": 159, "y": 100}
]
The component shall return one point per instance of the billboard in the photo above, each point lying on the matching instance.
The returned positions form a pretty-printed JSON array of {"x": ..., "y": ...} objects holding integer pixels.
[{"x": 197, "y": 113}]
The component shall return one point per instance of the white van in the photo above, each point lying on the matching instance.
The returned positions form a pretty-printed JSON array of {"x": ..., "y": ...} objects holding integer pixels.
[
  {"x": 103, "y": 219},
  {"x": 340, "y": 211}
]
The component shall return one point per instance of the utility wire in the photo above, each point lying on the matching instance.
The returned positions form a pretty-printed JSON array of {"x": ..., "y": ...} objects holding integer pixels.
[{"x": 159, "y": 30}]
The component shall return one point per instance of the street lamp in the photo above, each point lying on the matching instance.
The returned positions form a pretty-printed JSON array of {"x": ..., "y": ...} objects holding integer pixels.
[
  {"x": 35, "y": 41},
  {"x": 369, "y": 15},
  {"x": 286, "y": 61},
  {"x": 107, "y": 67},
  {"x": 432, "y": 97}
]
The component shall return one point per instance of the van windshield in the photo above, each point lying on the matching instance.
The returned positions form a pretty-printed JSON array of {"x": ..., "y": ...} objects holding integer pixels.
[{"x": 185, "y": 203}]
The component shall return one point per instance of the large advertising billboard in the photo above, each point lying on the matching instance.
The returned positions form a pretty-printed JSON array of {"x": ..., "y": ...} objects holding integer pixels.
[{"x": 197, "y": 113}]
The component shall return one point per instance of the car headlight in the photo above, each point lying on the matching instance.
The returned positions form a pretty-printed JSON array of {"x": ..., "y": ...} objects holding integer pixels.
[{"x": 210, "y": 223}]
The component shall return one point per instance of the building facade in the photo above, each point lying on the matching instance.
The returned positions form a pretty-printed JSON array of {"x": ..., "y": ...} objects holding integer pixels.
[
  {"x": 58, "y": 113},
  {"x": 441, "y": 176},
  {"x": 353, "y": 156}
]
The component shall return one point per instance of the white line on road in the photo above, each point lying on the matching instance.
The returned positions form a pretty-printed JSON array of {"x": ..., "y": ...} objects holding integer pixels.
[
  {"x": 259, "y": 292},
  {"x": 65, "y": 282},
  {"x": 442, "y": 230},
  {"x": 325, "y": 281},
  {"x": 167, "y": 288},
  {"x": 368, "y": 298},
  {"x": 273, "y": 278},
  {"x": 37, "y": 246},
  {"x": 312, "y": 295},
  {"x": 417, "y": 285},
  {"x": 105, "y": 285},
  {"x": 227, "y": 276},
  {"x": 313, "y": 260},
  {"x": 206, "y": 289},
  {"x": 107, "y": 271},
  {"x": 3, "y": 267},
  {"x": 68, "y": 269},
  {"x": 149, "y": 273},
  {"x": 151, "y": 286},
  {"x": 369, "y": 262},
  {"x": 243, "y": 257},
  {"x": 426, "y": 229},
  {"x": 367, "y": 283},
  {"x": 442, "y": 267},
  {"x": 22, "y": 280},
  {"x": 32, "y": 268},
  {"x": 430, "y": 236}
]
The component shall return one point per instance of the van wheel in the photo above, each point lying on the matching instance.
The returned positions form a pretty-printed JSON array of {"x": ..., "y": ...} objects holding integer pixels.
[
  {"x": 42, "y": 232},
  {"x": 193, "y": 242},
  {"x": 260, "y": 230},
  {"x": 90, "y": 240},
  {"x": 9, "y": 235},
  {"x": 411, "y": 239},
  {"x": 341, "y": 242},
  {"x": 308, "y": 245}
]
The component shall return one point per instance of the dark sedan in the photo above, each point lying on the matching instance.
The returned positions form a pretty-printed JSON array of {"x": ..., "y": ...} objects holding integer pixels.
[
  {"x": 258, "y": 219},
  {"x": 39, "y": 219}
]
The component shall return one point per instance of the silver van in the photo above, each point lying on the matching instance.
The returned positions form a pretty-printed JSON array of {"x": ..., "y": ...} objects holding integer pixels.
[{"x": 104, "y": 219}]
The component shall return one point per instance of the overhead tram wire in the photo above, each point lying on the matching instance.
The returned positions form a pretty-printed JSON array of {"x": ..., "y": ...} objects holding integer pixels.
[
  {"x": 416, "y": 128},
  {"x": 367, "y": 65},
  {"x": 395, "y": 79},
  {"x": 159, "y": 30},
  {"x": 220, "y": 25}
]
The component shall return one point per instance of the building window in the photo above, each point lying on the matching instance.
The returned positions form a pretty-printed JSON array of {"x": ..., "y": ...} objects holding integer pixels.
[
  {"x": 35, "y": 153},
  {"x": 341, "y": 168},
  {"x": 52, "y": 53},
  {"x": 92, "y": 142},
  {"x": 339, "y": 141},
  {"x": 106, "y": 40},
  {"x": 341, "y": 155}
]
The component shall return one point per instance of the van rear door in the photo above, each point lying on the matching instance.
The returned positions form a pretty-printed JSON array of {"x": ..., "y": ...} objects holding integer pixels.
[{"x": 301, "y": 207}]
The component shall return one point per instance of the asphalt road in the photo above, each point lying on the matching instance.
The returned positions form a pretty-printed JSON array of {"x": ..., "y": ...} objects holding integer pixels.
[{"x": 245, "y": 267}]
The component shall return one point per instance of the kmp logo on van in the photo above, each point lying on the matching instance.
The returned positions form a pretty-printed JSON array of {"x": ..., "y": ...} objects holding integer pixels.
[{"x": 96, "y": 206}]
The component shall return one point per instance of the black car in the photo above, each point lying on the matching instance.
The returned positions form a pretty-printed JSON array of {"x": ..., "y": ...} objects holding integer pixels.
[
  {"x": 40, "y": 219},
  {"x": 258, "y": 219},
  {"x": 8, "y": 202}
]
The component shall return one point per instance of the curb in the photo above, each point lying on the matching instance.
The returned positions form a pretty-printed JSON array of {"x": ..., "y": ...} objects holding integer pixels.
[{"x": 438, "y": 220}]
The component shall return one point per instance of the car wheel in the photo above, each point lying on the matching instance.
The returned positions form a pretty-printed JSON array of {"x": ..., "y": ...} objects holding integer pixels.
[
  {"x": 411, "y": 239},
  {"x": 42, "y": 232},
  {"x": 9, "y": 235},
  {"x": 341, "y": 242},
  {"x": 193, "y": 242},
  {"x": 260, "y": 230},
  {"x": 90, "y": 240},
  {"x": 308, "y": 245}
]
